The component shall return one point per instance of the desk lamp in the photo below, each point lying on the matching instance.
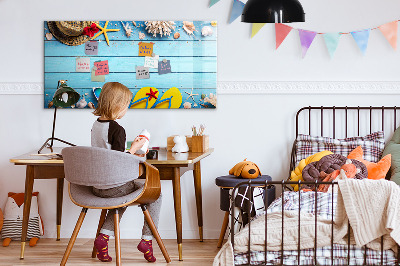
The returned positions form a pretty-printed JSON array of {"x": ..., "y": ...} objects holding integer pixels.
[
  {"x": 64, "y": 96},
  {"x": 273, "y": 11}
]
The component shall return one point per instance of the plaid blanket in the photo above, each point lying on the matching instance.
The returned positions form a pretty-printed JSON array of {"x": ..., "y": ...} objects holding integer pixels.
[{"x": 323, "y": 205}]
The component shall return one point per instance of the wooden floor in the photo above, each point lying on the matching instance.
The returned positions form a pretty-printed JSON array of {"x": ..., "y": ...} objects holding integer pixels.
[{"x": 50, "y": 252}]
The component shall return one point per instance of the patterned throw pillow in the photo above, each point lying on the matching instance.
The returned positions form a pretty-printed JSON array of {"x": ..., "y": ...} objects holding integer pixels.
[{"x": 372, "y": 145}]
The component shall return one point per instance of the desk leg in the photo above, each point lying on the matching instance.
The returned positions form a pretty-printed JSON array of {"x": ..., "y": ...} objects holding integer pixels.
[
  {"x": 60, "y": 190},
  {"x": 199, "y": 204},
  {"x": 27, "y": 206},
  {"x": 176, "y": 182}
]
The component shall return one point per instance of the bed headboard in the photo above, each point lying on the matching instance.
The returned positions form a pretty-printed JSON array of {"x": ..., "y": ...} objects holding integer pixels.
[{"x": 344, "y": 121}]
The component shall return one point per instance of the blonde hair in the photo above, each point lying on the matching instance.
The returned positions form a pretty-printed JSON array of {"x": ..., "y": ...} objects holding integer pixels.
[{"x": 113, "y": 98}]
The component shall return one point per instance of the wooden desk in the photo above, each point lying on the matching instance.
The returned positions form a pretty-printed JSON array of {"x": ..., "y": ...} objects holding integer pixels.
[{"x": 171, "y": 167}]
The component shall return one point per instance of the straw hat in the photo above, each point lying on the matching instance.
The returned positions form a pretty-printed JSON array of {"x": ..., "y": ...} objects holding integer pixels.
[{"x": 70, "y": 32}]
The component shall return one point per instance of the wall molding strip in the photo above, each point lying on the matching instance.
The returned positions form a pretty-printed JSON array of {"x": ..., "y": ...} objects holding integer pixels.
[{"x": 260, "y": 87}]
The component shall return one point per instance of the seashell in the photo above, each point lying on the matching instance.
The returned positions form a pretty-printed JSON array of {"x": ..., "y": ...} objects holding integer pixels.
[
  {"x": 164, "y": 28},
  {"x": 50, "y": 104},
  {"x": 141, "y": 35},
  {"x": 195, "y": 105},
  {"x": 91, "y": 105},
  {"x": 187, "y": 105},
  {"x": 214, "y": 23},
  {"x": 189, "y": 27},
  {"x": 212, "y": 99},
  {"x": 82, "y": 103},
  {"x": 86, "y": 94},
  {"x": 206, "y": 31},
  {"x": 177, "y": 35},
  {"x": 127, "y": 28},
  {"x": 64, "y": 97},
  {"x": 49, "y": 36},
  {"x": 134, "y": 23}
]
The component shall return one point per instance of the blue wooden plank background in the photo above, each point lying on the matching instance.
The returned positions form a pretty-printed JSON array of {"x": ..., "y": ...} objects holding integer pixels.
[{"x": 193, "y": 63}]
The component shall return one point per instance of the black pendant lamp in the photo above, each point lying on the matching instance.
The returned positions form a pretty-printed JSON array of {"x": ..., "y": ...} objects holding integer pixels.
[{"x": 273, "y": 11}]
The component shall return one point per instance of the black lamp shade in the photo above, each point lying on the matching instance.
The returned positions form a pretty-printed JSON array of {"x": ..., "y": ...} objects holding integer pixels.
[
  {"x": 63, "y": 90},
  {"x": 273, "y": 11}
]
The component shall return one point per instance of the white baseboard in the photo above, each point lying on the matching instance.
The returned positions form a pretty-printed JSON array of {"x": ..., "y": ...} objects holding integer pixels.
[{"x": 259, "y": 87}]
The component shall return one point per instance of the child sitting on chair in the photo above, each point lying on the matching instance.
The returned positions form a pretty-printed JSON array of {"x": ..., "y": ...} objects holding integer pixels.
[{"x": 107, "y": 133}]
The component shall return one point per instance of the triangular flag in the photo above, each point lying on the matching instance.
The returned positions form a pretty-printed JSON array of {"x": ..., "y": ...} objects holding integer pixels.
[
  {"x": 213, "y": 2},
  {"x": 332, "y": 41},
  {"x": 390, "y": 32},
  {"x": 306, "y": 39},
  {"x": 361, "y": 37},
  {"x": 237, "y": 8},
  {"x": 255, "y": 28},
  {"x": 281, "y": 31}
]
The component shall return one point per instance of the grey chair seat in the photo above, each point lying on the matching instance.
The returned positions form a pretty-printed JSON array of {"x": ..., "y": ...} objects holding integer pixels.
[{"x": 83, "y": 196}]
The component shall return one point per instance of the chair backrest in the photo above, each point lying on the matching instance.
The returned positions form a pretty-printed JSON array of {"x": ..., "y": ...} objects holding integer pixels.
[{"x": 91, "y": 166}]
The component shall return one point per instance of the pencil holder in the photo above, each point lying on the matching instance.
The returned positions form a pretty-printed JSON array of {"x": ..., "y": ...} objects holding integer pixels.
[{"x": 200, "y": 143}]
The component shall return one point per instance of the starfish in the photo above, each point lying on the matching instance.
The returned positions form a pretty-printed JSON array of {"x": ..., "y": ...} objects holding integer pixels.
[
  {"x": 152, "y": 94},
  {"x": 103, "y": 30},
  {"x": 191, "y": 95}
]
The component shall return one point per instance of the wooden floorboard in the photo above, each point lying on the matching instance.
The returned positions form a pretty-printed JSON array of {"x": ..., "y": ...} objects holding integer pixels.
[{"x": 50, "y": 252}]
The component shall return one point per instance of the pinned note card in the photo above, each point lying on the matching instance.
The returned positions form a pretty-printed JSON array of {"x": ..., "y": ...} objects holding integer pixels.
[
  {"x": 95, "y": 78},
  {"x": 145, "y": 48},
  {"x": 151, "y": 61},
  {"x": 164, "y": 67},
  {"x": 83, "y": 64},
  {"x": 142, "y": 72},
  {"x": 102, "y": 67},
  {"x": 91, "y": 48}
]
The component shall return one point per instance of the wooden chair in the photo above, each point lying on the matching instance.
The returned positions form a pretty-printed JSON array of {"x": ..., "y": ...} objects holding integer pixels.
[{"x": 85, "y": 167}]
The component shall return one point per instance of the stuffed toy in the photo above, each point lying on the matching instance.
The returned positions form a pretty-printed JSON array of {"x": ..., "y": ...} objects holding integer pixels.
[
  {"x": 180, "y": 144},
  {"x": 245, "y": 169},
  {"x": 375, "y": 170},
  {"x": 13, "y": 215},
  {"x": 296, "y": 174}
]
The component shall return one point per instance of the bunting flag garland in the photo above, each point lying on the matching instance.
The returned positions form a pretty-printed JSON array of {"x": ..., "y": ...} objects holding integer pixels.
[
  {"x": 256, "y": 27},
  {"x": 306, "y": 39},
  {"x": 361, "y": 37},
  {"x": 237, "y": 8},
  {"x": 281, "y": 31},
  {"x": 213, "y": 2},
  {"x": 389, "y": 30},
  {"x": 332, "y": 41}
]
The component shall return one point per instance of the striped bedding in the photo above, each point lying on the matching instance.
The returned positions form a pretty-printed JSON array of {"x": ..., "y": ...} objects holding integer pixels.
[{"x": 323, "y": 207}]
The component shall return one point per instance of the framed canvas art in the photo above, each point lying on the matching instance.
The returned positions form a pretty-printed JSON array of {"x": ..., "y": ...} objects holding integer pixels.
[{"x": 166, "y": 64}]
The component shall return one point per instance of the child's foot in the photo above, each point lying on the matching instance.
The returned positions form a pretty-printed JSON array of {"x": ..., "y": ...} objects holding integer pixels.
[
  {"x": 101, "y": 245},
  {"x": 146, "y": 247}
]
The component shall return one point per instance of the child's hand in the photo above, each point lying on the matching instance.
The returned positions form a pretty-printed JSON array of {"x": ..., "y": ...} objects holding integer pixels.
[
  {"x": 142, "y": 155},
  {"x": 137, "y": 144}
]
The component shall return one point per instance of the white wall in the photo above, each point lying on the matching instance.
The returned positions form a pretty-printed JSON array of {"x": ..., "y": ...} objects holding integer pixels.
[{"x": 259, "y": 127}]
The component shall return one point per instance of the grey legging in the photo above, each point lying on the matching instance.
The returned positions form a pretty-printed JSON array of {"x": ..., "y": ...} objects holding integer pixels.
[{"x": 154, "y": 208}]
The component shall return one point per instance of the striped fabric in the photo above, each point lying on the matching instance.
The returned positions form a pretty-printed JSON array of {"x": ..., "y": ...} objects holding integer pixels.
[
  {"x": 13, "y": 228},
  {"x": 322, "y": 207},
  {"x": 340, "y": 253},
  {"x": 372, "y": 145}
]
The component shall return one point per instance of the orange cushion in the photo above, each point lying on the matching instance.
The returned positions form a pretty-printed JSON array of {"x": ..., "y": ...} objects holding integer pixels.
[{"x": 375, "y": 170}]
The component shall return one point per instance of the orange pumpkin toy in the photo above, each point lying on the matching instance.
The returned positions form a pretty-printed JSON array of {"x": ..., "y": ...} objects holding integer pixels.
[{"x": 245, "y": 169}]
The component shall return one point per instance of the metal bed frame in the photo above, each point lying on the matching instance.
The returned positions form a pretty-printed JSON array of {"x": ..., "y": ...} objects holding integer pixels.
[{"x": 283, "y": 184}]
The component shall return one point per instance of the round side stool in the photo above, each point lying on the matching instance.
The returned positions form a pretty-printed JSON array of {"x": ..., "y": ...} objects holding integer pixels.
[{"x": 228, "y": 182}]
